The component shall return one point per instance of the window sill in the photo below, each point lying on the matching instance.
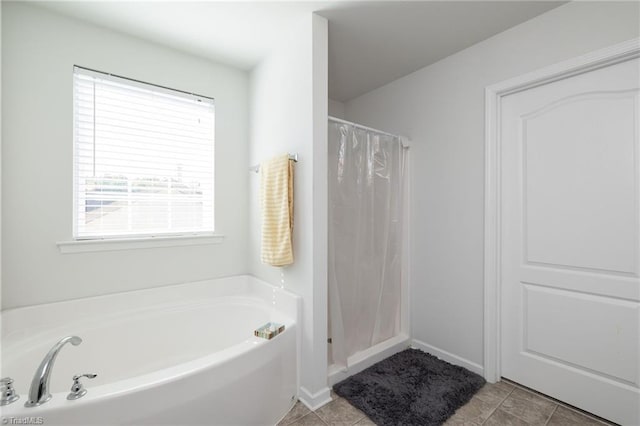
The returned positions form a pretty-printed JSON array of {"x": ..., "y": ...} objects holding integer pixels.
[{"x": 82, "y": 246}]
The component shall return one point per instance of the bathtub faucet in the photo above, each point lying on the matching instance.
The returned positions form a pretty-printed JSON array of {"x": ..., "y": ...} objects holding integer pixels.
[{"x": 39, "y": 391}]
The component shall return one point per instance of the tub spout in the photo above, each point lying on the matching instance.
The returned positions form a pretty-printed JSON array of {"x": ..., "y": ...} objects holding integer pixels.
[{"x": 39, "y": 391}]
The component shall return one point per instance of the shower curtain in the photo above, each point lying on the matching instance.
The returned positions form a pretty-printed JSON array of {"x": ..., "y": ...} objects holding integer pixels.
[{"x": 366, "y": 196}]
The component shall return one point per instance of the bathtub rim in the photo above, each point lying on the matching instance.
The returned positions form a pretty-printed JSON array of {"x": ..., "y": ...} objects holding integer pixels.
[
  {"x": 248, "y": 279},
  {"x": 124, "y": 388}
]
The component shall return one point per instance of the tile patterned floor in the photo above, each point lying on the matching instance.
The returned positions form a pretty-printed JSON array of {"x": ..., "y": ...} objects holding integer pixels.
[{"x": 499, "y": 404}]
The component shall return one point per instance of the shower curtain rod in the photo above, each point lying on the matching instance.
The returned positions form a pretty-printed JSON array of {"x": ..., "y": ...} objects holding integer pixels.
[{"x": 360, "y": 126}]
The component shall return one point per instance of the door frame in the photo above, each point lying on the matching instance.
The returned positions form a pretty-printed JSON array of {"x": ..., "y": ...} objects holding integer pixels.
[{"x": 617, "y": 53}]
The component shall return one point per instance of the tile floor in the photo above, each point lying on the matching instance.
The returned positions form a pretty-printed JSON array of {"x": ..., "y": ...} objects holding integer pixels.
[{"x": 499, "y": 404}]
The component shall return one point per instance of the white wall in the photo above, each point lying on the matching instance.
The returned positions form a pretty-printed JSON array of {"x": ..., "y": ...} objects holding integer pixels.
[
  {"x": 441, "y": 108},
  {"x": 336, "y": 109},
  {"x": 286, "y": 98},
  {"x": 39, "y": 49},
  {"x": 0, "y": 155}
]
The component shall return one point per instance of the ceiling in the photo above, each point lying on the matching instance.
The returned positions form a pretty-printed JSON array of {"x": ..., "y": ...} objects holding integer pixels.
[
  {"x": 237, "y": 33},
  {"x": 370, "y": 43}
]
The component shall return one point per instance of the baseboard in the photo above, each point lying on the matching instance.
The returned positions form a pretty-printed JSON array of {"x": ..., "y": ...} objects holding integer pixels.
[
  {"x": 316, "y": 400},
  {"x": 369, "y": 357},
  {"x": 448, "y": 356}
]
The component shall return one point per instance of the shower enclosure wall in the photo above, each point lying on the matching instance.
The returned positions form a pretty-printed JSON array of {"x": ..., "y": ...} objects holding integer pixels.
[{"x": 368, "y": 294}]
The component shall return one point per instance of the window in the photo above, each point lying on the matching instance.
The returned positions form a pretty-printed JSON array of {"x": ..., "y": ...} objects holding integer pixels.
[{"x": 143, "y": 159}]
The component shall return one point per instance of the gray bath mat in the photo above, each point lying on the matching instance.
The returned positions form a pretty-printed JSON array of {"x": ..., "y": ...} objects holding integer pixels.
[{"x": 410, "y": 388}]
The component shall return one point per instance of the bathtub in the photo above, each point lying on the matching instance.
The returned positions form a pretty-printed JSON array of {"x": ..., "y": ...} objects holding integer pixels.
[{"x": 179, "y": 355}]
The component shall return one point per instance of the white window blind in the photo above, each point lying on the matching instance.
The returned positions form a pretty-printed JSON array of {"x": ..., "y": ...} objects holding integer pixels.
[{"x": 143, "y": 159}]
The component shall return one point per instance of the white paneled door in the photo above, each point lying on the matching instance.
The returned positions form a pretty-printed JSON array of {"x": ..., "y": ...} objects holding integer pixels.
[{"x": 570, "y": 235}]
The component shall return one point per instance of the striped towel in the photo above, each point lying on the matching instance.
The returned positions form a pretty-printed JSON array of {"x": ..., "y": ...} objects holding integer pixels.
[{"x": 276, "y": 191}]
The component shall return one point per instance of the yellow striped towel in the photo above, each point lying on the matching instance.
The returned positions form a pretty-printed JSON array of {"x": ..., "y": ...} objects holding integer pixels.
[{"x": 276, "y": 193}]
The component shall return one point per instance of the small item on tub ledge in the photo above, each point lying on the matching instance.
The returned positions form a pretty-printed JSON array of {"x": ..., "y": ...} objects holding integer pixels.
[{"x": 269, "y": 330}]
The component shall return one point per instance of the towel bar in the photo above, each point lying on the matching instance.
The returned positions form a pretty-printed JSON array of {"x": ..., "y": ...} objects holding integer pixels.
[{"x": 256, "y": 168}]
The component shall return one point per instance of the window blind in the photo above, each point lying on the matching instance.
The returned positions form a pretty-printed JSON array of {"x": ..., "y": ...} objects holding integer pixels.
[{"x": 143, "y": 159}]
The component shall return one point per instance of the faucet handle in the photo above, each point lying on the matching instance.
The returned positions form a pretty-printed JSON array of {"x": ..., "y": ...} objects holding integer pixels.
[
  {"x": 8, "y": 392},
  {"x": 77, "y": 389},
  {"x": 87, "y": 375}
]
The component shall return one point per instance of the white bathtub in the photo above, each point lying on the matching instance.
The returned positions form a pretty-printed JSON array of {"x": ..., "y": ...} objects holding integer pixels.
[{"x": 180, "y": 355}]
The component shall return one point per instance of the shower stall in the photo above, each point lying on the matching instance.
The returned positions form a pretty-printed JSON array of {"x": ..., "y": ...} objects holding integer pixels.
[{"x": 368, "y": 240}]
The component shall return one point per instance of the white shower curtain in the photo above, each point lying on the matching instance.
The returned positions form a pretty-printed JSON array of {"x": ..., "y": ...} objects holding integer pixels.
[{"x": 366, "y": 191}]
